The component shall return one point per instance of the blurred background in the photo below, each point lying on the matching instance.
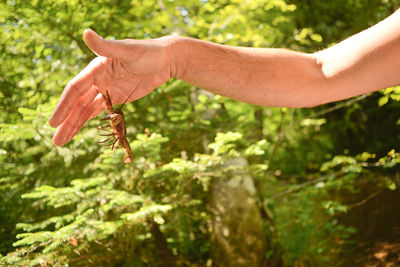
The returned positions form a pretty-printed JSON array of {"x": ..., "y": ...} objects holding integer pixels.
[{"x": 214, "y": 182}]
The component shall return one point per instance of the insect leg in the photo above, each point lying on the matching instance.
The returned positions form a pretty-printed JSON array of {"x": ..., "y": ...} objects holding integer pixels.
[
  {"x": 115, "y": 146},
  {"x": 112, "y": 148},
  {"x": 111, "y": 134},
  {"x": 101, "y": 142},
  {"x": 103, "y": 126},
  {"x": 110, "y": 131},
  {"x": 108, "y": 103}
]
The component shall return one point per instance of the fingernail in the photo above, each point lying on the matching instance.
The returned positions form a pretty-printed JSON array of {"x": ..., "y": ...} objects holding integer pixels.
[
  {"x": 58, "y": 139},
  {"x": 55, "y": 141}
]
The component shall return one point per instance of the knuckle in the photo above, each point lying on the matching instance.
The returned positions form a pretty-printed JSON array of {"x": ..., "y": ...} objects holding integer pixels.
[
  {"x": 72, "y": 86},
  {"x": 86, "y": 109}
]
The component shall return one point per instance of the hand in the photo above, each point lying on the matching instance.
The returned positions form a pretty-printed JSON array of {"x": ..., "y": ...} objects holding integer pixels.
[{"x": 119, "y": 68}]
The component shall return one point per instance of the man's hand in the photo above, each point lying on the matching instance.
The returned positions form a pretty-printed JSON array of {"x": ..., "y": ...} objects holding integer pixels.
[
  {"x": 365, "y": 62},
  {"x": 119, "y": 68}
]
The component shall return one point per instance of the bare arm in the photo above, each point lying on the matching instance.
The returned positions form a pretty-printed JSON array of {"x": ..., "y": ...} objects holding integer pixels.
[
  {"x": 366, "y": 62},
  {"x": 261, "y": 76}
]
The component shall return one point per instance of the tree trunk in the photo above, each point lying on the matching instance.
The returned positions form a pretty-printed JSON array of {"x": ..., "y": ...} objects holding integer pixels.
[
  {"x": 239, "y": 237},
  {"x": 164, "y": 254}
]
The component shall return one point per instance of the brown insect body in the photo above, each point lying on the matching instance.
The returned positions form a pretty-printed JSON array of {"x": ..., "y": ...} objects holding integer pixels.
[{"x": 118, "y": 128}]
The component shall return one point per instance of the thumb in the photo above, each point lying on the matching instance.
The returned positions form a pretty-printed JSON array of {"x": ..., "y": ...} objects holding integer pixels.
[{"x": 101, "y": 46}]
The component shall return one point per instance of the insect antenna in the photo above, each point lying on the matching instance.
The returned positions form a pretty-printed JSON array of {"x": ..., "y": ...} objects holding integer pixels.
[{"x": 120, "y": 108}]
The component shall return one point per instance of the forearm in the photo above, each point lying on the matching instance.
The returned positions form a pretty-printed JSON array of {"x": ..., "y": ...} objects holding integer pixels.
[
  {"x": 366, "y": 62},
  {"x": 261, "y": 76}
]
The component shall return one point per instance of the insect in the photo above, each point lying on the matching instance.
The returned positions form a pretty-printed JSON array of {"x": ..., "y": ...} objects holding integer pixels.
[{"x": 118, "y": 128}]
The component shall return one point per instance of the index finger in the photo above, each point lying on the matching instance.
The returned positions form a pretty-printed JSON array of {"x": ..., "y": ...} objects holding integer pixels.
[{"x": 92, "y": 74}]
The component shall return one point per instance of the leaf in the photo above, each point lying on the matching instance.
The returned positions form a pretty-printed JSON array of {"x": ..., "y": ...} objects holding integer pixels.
[
  {"x": 383, "y": 100},
  {"x": 12, "y": 132},
  {"x": 258, "y": 148},
  {"x": 145, "y": 212},
  {"x": 32, "y": 238},
  {"x": 391, "y": 185},
  {"x": 223, "y": 142}
]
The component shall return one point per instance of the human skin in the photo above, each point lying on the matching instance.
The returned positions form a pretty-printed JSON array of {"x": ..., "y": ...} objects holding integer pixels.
[{"x": 365, "y": 62}]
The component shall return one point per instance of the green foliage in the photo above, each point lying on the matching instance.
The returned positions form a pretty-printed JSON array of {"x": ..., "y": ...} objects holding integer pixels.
[
  {"x": 389, "y": 93},
  {"x": 78, "y": 205}
]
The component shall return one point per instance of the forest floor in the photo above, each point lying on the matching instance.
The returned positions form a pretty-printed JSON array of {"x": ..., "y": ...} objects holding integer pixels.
[
  {"x": 377, "y": 242},
  {"x": 382, "y": 253}
]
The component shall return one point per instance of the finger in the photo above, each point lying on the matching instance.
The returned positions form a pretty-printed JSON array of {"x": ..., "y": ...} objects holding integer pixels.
[
  {"x": 104, "y": 47},
  {"x": 98, "y": 111},
  {"x": 77, "y": 117},
  {"x": 98, "y": 105},
  {"x": 93, "y": 74}
]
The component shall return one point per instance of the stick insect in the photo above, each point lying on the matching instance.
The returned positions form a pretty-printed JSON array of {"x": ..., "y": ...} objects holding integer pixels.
[{"x": 118, "y": 128}]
